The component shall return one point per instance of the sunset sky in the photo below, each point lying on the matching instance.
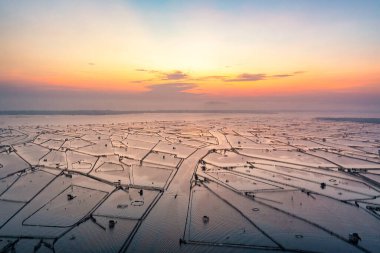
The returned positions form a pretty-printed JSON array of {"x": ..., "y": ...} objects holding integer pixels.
[{"x": 148, "y": 55}]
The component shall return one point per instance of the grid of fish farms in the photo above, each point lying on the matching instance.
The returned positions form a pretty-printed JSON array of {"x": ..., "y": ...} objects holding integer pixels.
[{"x": 232, "y": 185}]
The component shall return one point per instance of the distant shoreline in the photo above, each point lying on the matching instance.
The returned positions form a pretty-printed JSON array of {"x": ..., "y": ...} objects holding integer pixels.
[{"x": 356, "y": 120}]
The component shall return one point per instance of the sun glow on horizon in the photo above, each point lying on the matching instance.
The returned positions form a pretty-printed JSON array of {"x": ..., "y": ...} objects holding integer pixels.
[{"x": 222, "y": 48}]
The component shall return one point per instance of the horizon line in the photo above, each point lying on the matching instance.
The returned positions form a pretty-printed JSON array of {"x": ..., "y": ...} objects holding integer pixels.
[{"x": 120, "y": 112}]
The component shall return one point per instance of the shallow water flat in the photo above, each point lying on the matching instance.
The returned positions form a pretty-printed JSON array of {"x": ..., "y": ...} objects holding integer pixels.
[{"x": 210, "y": 184}]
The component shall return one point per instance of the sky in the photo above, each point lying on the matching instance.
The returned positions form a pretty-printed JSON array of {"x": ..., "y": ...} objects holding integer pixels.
[{"x": 153, "y": 55}]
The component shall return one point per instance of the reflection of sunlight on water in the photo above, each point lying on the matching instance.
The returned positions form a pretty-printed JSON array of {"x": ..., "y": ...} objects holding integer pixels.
[{"x": 6, "y": 120}]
